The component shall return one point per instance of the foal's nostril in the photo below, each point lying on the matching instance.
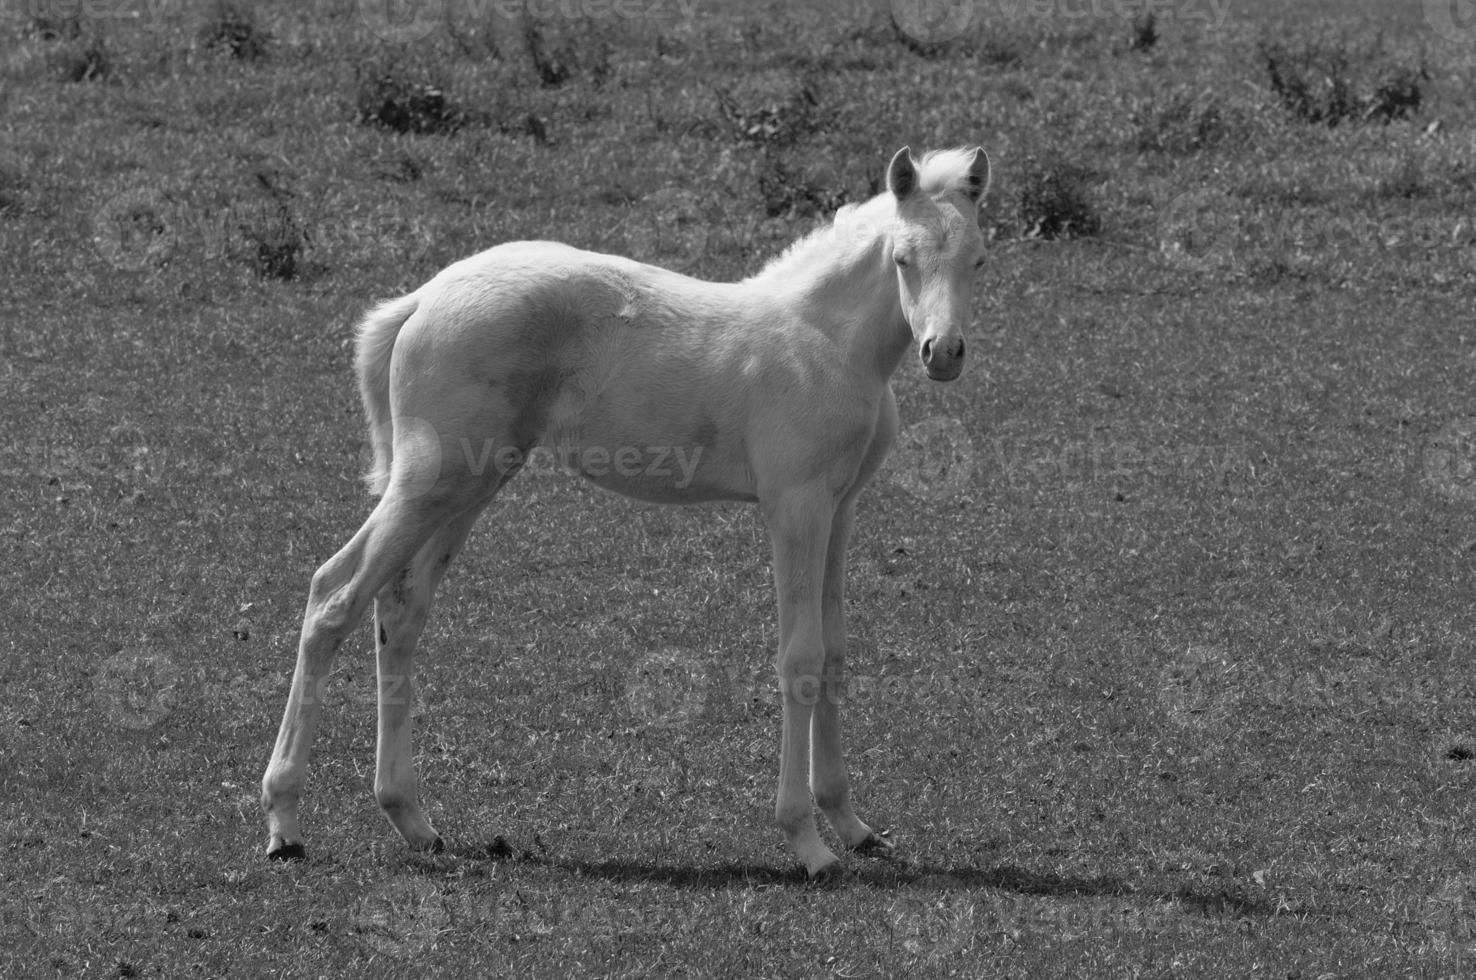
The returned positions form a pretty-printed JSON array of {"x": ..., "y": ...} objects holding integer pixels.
[
  {"x": 927, "y": 350},
  {"x": 960, "y": 348}
]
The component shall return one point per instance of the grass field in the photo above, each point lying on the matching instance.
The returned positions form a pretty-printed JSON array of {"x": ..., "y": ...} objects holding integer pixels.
[{"x": 1162, "y": 614}]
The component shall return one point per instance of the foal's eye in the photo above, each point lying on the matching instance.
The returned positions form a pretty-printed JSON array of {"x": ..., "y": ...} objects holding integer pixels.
[
  {"x": 979, "y": 263},
  {"x": 901, "y": 261}
]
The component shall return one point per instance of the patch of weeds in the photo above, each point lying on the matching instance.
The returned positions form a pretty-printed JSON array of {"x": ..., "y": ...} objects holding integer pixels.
[
  {"x": 787, "y": 192},
  {"x": 1182, "y": 124},
  {"x": 996, "y": 51},
  {"x": 1406, "y": 182},
  {"x": 1325, "y": 83},
  {"x": 56, "y": 26},
  {"x": 774, "y": 123},
  {"x": 557, "y": 60},
  {"x": 1056, "y": 200},
  {"x": 274, "y": 236},
  {"x": 530, "y": 125},
  {"x": 232, "y": 27},
  {"x": 553, "y": 65},
  {"x": 1145, "y": 32},
  {"x": 403, "y": 169},
  {"x": 1398, "y": 94},
  {"x": 391, "y": 99},
  {"x": 84, "y": 61},
  {"x": 1310, "y": 82}
]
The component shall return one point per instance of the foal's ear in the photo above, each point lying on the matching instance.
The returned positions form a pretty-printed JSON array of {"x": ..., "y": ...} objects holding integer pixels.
[
  {"x": 902, "y": 173},
  {"x": 976, "y": 182}
]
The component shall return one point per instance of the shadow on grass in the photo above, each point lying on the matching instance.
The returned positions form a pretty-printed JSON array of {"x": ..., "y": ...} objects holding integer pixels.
[{"x": 1230, "y": 900}]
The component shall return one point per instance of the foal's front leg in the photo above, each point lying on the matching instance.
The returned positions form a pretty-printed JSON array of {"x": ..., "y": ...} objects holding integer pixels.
[
  {"x": 799, "y": 525},
  {"x": 828, "y": 778}
]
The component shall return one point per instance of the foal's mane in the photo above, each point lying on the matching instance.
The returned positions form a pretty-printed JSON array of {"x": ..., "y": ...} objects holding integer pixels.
[{"x": 856, "y": 227}]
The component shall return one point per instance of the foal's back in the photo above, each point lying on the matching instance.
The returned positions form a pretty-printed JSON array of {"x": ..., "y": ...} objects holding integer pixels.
[{"x": 648, "y": 382}]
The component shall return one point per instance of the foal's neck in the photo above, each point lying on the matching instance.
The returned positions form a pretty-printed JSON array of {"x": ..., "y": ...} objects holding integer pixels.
[
  {"x": 851, "y": 297},
  {"x": 861, "y": 303}
]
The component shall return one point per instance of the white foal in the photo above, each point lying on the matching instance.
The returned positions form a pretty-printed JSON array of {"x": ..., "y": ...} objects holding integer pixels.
[{"x": 774, "y": 390}]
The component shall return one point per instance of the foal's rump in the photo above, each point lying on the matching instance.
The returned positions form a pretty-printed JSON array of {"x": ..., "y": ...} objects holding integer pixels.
[{"x": 619, "y": 371}]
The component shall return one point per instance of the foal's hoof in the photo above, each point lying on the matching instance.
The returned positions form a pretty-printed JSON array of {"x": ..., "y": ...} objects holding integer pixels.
[
  {"x": 287, "y": 852},
  {"x": 826, "y": 869},
  {"x": 876, "y": 845},
  {"x": 826, "y": 875}
]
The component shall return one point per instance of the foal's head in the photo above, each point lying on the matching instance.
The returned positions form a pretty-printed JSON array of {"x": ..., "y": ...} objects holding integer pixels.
[{"x": 937, "y": 248}]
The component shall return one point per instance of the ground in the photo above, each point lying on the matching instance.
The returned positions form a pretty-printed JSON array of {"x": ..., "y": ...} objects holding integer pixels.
[{"x": 1162, "y": 613}]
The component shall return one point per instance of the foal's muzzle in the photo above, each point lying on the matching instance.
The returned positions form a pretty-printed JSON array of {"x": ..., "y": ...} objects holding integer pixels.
[{"x": 943, "y": 357}]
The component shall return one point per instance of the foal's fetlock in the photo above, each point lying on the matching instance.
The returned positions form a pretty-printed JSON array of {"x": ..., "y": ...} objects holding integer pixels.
[{"x": 406, "y": 816}]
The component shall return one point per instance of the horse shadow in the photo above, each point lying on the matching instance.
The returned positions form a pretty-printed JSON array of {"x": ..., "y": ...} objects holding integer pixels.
[{"x": 891, "y": 874}]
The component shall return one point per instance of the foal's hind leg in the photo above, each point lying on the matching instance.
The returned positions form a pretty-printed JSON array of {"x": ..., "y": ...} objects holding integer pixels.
[
  {"x": 341, "y": 591},
  {"x": 400, "y": 612}
]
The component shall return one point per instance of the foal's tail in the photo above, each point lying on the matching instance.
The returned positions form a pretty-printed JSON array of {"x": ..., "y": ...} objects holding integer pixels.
[{"x": 376, "y": 342}]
